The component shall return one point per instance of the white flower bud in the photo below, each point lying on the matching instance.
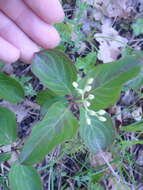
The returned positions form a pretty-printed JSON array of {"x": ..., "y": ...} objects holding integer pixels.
[
  {"x": 102, "y": 119},
  {"x": 90, "y": 81},
  {"x": 87, "y": 104},
  {"x": 91, "y": 97},
  {"x": 75, "y": 84},
  {"x": 93, "y": 113},
  {"x": 80, "y": 91},
  {"x": 88, "y": 88},
  {"x": 101, "y": 112},
  {"x": 88, "y": 121}
]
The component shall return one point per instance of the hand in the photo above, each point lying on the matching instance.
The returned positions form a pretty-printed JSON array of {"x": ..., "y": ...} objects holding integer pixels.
[{"x": 26, "y": 25}]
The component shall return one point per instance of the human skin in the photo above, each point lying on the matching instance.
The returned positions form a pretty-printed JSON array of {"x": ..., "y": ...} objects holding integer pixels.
[{"x": 26, "y": 26}]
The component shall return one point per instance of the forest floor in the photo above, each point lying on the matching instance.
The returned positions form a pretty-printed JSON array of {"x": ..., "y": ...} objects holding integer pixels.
[{"x": 94, "y": 32}]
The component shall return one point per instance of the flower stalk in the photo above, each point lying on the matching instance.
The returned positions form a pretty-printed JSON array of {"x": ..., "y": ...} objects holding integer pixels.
[{"x": 86, "y": 101}]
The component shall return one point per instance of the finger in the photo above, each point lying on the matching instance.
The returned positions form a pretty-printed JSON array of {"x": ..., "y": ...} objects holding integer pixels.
[
  {"x": 8, "y": 53},
  {"x": 43, "y": 34},
  {"x": 11, "y": 32},
  {"x": 49, "y": 10}
]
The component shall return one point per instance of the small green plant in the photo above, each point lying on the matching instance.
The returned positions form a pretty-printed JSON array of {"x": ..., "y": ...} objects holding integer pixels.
[
  {"x": 138, "y": 27},
  {"x": 86, "y": 63},
  {"x": 69, "y": 105},
  {"x": 28, "y": 88}
]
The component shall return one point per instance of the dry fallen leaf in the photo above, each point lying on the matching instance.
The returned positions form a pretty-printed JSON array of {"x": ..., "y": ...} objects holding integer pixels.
[
  {"x": 114, "y": 8},
  {"x": 21, "y": 110},
  {"x": 137, "y": 114},
  {"x": 114, "y": 184},
  {"x": 98, "y": 160},
  {"x": 139, "y": 159},
  {"x": 118, "y": 114},
  {"x": 128, "y": 98},
  {"x": 6, "y": 148},
  {"x": 140, "y": 2},
  {"x": 111, "y": 43},
  {"x": 13, "y": 158},
  {"x": 7, "y": 69}
]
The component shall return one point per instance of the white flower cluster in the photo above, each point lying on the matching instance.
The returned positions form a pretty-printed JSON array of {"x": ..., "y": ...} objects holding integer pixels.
[{"x": 86, "y": 101}]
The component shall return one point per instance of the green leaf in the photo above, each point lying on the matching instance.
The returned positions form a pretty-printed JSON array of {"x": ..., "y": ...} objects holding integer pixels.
[
  {"x": 65, "y": 31},
  {"x": 128, "y": 143},
  {"x": 23, "y": 177},
  {"x": 55, "y": 70},
  {"x": 57, "y": 126},
  {"x": 109, "y": 79},
  {"x": 45, "y": 95},
  {"x": 4, "y": 157},
  {"x": 97, "y": 136},
  {"x": 8, "y": 126},
  {"x": 108, "y": 72},
  {"x": 109, "y": 92},
  {"x": 46, "y": 98},
  {"x": 137, "y": 82},
  {"x": 135, "y": 127},
  {"x": 11, "y": 90}
]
